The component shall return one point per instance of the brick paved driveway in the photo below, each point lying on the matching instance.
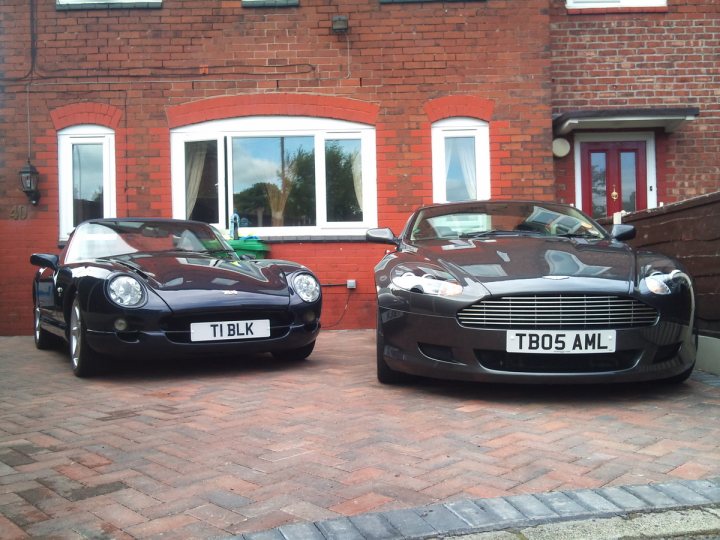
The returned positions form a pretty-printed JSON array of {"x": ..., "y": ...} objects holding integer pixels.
[{"x": 228, "y": 447}]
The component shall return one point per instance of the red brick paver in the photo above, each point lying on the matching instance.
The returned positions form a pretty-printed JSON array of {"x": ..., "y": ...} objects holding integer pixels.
[{"x": 236, "y": 445}]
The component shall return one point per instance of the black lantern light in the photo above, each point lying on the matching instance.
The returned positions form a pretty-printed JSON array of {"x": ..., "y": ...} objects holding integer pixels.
[{"x": 29, "y": 177}]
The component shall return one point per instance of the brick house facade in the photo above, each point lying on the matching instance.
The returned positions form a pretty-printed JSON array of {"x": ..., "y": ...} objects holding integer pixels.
[{"x": 151, "y": 81}]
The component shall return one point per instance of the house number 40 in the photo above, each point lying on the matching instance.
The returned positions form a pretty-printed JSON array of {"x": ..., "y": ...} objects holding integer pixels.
[{"x": 19, "y": 212}]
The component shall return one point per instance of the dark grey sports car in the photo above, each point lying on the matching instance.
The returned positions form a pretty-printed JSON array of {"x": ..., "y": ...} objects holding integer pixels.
[
  {"x": 527, "y": 291},
  {"x": 127, "y": 288}
]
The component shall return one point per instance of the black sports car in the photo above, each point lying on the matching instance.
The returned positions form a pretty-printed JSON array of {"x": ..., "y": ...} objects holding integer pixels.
[
  {"x": 527, "y": 291},
  {"x": 153, "y": 288}
]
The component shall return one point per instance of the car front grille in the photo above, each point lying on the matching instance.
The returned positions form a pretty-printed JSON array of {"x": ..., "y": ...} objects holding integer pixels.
[
  {"x": 571, "y": 312},
  {"x": 557, "y": 363}
]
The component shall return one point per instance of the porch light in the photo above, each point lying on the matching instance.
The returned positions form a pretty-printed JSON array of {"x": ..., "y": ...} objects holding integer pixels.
[{"x": 29, "y": 177}]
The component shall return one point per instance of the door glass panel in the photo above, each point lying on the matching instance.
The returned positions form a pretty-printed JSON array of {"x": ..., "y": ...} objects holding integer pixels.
[
  {"x": 87, "y": 171},
  {"x": 201, "y": 181},
  {"x": 274, "y": 180},
  {"x": 628, "y": 175},
  {"x": 598, "y": 166},
  {"x": 460, "y": 168},
  {"x": 343, "y": 177}
]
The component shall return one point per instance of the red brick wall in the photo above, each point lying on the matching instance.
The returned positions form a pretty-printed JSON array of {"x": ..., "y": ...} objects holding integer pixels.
[
  {"x": 411, "y": 63},
  {"x": 646, "y": 58}
]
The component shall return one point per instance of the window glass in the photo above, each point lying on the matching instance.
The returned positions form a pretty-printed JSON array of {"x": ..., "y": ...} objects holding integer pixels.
[
  {"x": 274, "y": 181},
  {"x": 628, "y": 179},
  {"x": 87, "y": 178},
  {"x": 460, "y": 169},
  {"x": 343, "y": 171},
  {"x": 201, "y": 181},
  {"x": 598, "y": 165}
]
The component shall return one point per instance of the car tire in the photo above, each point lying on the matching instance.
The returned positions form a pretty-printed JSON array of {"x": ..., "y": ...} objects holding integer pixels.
[
  {"x": 85, "y": 361},
  {"x": 295, "y": 355},
  {"x": 43, "y": 338},
  {"x": 385, "y": 374}
]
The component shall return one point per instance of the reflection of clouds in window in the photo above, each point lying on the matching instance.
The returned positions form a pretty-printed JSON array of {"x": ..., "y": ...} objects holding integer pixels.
[{"x": 253, "y": 162}]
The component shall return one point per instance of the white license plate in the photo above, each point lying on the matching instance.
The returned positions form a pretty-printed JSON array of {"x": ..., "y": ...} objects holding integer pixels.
[
  {"x": 224, "y": 330},
  {"x": 559, "y": 341}
]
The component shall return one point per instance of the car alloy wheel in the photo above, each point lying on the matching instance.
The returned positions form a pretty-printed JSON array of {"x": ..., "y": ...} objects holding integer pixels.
[{"x": 81, "y": 355}]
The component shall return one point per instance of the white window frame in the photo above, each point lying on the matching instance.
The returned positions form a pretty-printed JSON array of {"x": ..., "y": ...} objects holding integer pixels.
[
  {"x": 322, "y": 129},
  {"x": 590, "y": 4},
  {"x": 648, "y": 137},
  {"x": 103, "y": 4},
  {"x": 461, "y": 127},
  {"x": 84, "y": 134}
]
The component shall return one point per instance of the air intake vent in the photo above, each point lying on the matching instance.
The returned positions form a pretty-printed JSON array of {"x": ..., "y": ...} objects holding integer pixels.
[{"x": 572, "y": 312}]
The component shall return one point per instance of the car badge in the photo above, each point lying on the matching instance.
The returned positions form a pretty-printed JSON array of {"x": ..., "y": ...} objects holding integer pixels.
[
  {"x": 230, "y": 292},
  {"x": 556, "y": 278}
]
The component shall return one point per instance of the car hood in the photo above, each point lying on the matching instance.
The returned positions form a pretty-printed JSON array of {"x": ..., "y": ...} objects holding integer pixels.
[
  {"x": 185, "y": 281},
  {"x": 499, "y": 262}
]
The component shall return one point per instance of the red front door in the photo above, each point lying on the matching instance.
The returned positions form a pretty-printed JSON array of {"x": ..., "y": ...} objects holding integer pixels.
[{"x": 614, "y": 177}]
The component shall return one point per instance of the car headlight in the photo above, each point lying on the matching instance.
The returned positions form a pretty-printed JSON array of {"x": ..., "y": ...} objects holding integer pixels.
[
  {"x": 126, "y": 291},
  {"x": 425, "y": 280},
  {"x": 664, "y": 283},
  {"x": 306, "y": 287}
]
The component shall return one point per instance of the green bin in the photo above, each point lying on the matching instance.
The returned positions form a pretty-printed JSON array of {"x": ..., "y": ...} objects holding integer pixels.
[{"x": 250, "y": 245}]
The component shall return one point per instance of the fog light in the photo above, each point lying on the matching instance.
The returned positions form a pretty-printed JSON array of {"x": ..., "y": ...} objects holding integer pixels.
[
  {"x": 121, "y": 325},
  {"x": 309, "y": 317}
]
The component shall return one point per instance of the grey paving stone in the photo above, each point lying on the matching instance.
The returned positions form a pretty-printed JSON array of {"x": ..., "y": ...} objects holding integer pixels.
[
  {"x": 594, "y": 501},
  {"x": 682, "y": 493},
  {"x": 340, "y": 528},
  {"x": 441, "y": 519},
  {"x": 301, "y": 531},
  {"x": 706, "y": 488},
  {"x": 622, "y": 498},
  {"x": 531, "y": 507},
  {"x": 374, "y": 526},
  {"x": 408, "y": 523},
  {"x": 272, "y": 534},
  {"x": 472, "y": 514},
  {"x": 501, "y": 508},
  {"x": 654, "y": 497},
  {"x": 561, "y": 504}
]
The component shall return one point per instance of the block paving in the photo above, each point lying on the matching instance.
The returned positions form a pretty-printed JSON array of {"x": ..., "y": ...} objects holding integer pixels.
[{"x": 266, "y": 449}]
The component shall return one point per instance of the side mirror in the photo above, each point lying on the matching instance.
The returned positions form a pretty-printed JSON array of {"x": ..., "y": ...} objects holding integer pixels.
[
  {"x": 382, "y": 236},
  {"x": 623, "y": 232},
  {"x": 44, "y": 260}
]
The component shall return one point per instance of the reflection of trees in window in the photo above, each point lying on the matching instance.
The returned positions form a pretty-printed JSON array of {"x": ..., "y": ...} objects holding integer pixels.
[
  {"x": 343, "y": 180},
  {"x": 290, "y": 201}
]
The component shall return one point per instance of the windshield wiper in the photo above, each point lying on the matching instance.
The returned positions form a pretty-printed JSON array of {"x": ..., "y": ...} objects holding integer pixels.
[{"x": 585, "y": 234}]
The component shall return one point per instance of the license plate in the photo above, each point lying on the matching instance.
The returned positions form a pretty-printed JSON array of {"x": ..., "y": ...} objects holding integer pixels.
[
  {"x": 565, "y": 342},
  {"x": 224, "y": 330}
]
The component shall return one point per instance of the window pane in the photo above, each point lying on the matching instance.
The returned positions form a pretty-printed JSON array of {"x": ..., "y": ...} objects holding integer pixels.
[
  {"x": 460, "y": 167},
  {"x": 87, "y": 170},
  {"x": 343, "y": 177},
  {"x": 201, "y": 181},
  {"x": 598, "y": 164},
  {"x": 274, "y": 181},
  {"x": 628, "y": 180}
]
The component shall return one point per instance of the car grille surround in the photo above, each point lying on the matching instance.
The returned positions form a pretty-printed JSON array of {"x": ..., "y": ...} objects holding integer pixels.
[{"x": 558, "y": 312}]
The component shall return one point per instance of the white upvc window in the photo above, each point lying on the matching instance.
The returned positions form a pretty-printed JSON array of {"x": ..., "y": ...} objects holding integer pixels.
[
  {"x": 107, "y": 4},
  {"x": 589, "y": 4},
  {"x": 86, "y": 173},
  {"x": 276, "y": 176},
  {"x": 460, "y": 160}
]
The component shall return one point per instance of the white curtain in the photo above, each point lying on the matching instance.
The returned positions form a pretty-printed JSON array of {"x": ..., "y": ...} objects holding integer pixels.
[
  {"x": 462, "y": 149},
  {"x": 357, "y": 178},
  {"x": 194, "y": 165}
]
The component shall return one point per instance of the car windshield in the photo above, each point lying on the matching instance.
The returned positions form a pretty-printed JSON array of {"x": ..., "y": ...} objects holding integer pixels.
[
  {"x": 487, "y": 219},
  {"x": 95, "y": 240}
]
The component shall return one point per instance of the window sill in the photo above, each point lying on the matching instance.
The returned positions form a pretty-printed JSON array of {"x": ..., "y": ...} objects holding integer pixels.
[
  {"x": 616, "y": 10},
  {"x": 66, "y": 5}
]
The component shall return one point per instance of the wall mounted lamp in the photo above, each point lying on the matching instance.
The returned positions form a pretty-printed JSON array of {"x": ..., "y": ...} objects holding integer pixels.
[
  {"x": 29, "y": 177},
  {"x": 339, "y": 24}
]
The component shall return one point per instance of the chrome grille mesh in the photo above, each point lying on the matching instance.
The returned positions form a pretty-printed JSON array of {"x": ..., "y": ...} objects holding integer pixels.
[{"x": 558, "y": 312}]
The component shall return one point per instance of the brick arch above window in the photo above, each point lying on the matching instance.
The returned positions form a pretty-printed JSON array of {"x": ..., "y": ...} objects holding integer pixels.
[
  {"x": 222, "y": 107},
  {"x": 91, "y": 113},
  {"x": 459, "y": 106}
]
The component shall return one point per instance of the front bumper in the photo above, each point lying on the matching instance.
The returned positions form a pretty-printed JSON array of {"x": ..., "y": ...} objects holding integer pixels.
[
  {"x": 155, "y": 344},
  {"x": 439, "y": 347}
]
